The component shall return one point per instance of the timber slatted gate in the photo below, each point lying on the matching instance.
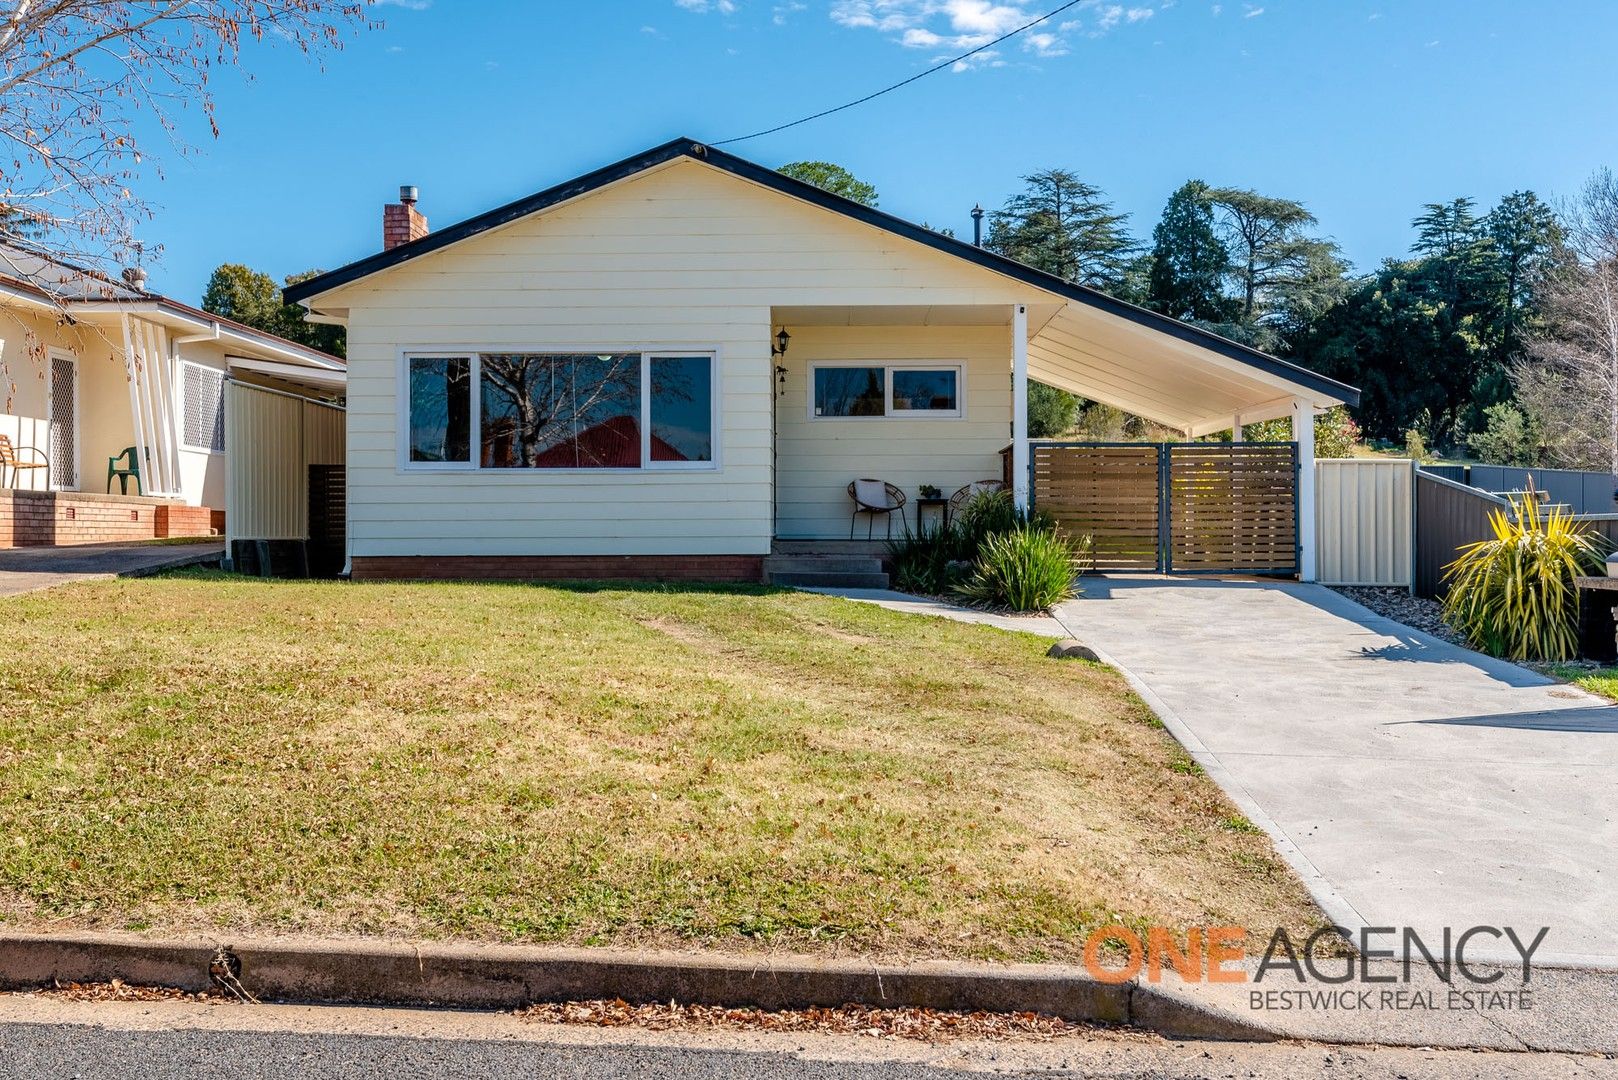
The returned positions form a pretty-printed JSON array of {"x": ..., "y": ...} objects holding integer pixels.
[
  {"x": 1210, "y": 508},
  {"x": 1109, "y": 492}
]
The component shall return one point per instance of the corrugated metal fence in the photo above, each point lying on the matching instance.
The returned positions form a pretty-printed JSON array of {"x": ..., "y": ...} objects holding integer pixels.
[
  {"x": 273, "y": 438},
  {"x": 1450, "y": 516},
  {"x": 1584, "y": 492},
  {"x": 1364, "y": 521}
]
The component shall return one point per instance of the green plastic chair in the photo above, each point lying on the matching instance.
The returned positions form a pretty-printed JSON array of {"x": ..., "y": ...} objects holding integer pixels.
[{"x": 124, "y": 474}]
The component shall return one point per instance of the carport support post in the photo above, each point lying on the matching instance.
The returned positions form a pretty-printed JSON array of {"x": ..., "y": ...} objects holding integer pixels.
[
  {"x": 1303, "y": 432},
  {"x": 1019, "y": 404}
]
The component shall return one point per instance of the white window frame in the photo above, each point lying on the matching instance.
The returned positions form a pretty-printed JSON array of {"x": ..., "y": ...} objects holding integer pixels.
[
  {"x": 56, "y": 352},
  {"x": 475, "y": 355},
  {"x": 888, "y": 412},
  {"x": 184, "y": 445}
]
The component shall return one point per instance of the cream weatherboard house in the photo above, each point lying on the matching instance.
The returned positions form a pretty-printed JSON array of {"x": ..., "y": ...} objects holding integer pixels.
[
  {"x": 113, "y": 404},
  {"x": 588, "y": 382}
]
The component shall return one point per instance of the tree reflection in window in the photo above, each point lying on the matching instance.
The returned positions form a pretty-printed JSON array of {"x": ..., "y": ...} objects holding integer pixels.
[
  {"x": 441, "y": 409},
  {"x": 850, "y": 391},
  {"x": 561, "y": 412}
]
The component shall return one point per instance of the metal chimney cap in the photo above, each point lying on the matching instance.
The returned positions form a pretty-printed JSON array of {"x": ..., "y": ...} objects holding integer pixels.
[
  {"x": 134, "y": 277},
  {"x": 408, "y": 194}
]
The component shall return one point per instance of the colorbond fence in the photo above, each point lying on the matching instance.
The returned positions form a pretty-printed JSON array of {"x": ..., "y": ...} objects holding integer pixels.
[
  {"x": 1365, "y": 525},
  {"x": 1449, "y": 516}
]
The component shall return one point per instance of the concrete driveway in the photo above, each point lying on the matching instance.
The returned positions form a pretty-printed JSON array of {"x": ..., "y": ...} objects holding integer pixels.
[
  {"x": 1412, "y": 783},
  {"x": 27, "y": 569}
]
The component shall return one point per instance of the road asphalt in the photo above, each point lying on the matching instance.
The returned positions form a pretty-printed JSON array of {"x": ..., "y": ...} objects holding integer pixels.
[{"x": 47, "y": 1037}]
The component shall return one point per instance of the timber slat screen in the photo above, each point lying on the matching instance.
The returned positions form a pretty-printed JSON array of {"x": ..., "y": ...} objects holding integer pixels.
[
  {"x": 1233, "y": 508},
  {"x": 1175, "y": 508},
  {"x": 1107, "y": 492}
]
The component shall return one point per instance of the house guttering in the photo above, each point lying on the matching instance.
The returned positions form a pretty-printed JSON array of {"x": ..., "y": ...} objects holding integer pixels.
[
  {"x": 747, "y": 170},
  {"x": 212, "y": 329}
]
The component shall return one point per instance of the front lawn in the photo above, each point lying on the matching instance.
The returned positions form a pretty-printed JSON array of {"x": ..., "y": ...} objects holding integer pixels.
[{"x": 606, "y": 766}]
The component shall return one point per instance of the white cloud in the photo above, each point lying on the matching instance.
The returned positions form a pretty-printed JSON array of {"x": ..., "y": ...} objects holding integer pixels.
[
  {"x": 702, "y": 7},
  {"x": 949, "y": 26},
  {"x": 1252, "y": 12},
  {"x": 783, "y": 12},
  {"x": 1217, "y": 8}
]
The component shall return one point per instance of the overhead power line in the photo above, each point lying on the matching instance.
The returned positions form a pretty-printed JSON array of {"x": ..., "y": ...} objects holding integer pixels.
[{"x": 914, "y": 78}]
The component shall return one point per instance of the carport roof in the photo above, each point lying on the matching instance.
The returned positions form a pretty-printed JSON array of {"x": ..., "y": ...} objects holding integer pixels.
[{"x": 1136, "y": 359}]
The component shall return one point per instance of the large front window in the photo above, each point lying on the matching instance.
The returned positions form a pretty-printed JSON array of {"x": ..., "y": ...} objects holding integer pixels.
[{"x": 622, "y": 410}]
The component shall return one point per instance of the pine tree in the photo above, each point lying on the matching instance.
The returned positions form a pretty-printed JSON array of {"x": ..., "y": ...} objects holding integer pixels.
[
  {"x": 1189, "y": 260},
  {"x": 1066, "y": 227}
]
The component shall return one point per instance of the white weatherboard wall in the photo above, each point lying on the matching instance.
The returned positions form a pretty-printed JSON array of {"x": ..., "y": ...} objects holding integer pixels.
[
  {"x": 818, "y": 457},
  {"x": 1365, "y": 518},
  {"x": 679, "y": 257}
]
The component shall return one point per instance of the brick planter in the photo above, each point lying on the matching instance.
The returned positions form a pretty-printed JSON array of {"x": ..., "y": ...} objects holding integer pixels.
[{"x": 66, "y": 518}]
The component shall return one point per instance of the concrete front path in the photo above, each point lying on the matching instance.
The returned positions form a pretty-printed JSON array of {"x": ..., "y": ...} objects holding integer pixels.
[
  {"x": 894, "y": 600},
  {"x": 27, "y": 569},
  {"x": 1411, "y": 782}
]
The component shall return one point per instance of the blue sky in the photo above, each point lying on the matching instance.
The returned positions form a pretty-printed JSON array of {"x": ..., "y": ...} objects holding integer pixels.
[{"x": 1363, "y": 109}]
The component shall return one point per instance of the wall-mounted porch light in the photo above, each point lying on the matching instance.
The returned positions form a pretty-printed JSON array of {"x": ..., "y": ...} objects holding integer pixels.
[{"x": 782, "y": 340}]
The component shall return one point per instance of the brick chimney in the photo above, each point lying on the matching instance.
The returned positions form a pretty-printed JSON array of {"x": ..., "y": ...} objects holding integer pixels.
[{"x": 401, "y": 221}]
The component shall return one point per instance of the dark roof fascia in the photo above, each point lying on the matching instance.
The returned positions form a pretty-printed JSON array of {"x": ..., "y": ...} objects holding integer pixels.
[{"x": 759, "y": 174}]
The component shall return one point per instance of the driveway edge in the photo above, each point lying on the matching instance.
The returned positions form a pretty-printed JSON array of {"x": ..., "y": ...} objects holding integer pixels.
[
  {"x": 1336, "y": 906},
  {"x": 511, "y": 977}
]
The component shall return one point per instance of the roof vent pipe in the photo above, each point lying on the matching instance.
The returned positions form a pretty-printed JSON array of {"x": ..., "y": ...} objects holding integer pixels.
[
  {"x": 135, "y": 277},
  {"x": 977, "y": 225}
]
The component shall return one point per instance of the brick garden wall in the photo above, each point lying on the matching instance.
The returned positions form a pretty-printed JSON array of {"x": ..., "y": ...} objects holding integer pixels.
[{"x": 44, "y": 518}]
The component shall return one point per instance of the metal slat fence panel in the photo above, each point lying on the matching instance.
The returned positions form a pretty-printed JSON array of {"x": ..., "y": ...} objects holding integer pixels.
[
  {"x": 1108, "y": 492},
  {"x": 1233, "y": 508},
  {"x": 1192, "y": 508}
]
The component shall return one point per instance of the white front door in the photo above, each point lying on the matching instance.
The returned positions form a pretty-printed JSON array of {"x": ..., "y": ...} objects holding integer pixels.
[{"x": 62, "y": 407}]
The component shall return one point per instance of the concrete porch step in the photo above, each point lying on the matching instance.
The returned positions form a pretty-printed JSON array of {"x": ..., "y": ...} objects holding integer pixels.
[
  {"x": 828, "y": 579},
  {"x": 840, "y": 568},
  {"x": 823, "y": 564}
]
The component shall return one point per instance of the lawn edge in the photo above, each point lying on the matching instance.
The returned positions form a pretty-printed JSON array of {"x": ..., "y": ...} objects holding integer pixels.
[{"x": 316, "y": 971}]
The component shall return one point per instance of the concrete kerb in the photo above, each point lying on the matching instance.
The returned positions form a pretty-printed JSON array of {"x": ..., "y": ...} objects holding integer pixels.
[{"x": 510, "y": 977}]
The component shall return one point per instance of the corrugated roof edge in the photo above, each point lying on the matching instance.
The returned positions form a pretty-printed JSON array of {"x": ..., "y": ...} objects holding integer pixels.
[{"x": 760, "y": 174}]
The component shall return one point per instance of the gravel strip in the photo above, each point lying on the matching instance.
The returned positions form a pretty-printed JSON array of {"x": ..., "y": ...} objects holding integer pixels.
[{"x": 1400, "y": 606}]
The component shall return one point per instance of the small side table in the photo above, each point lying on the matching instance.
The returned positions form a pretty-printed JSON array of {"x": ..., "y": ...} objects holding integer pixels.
[{"x": 938, "y": 503}]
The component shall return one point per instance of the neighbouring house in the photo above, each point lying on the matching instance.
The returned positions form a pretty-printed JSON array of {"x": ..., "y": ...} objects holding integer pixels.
[
  {"x": 589, "y": 382},
  {"x": 101, "y": 377}
]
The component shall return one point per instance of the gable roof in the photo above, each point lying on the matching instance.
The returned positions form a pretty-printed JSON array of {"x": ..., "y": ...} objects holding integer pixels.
[{"x": 759, "y": 174}]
